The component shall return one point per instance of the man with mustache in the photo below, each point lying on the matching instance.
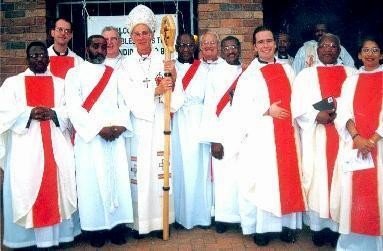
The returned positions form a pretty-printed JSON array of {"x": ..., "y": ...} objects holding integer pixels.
[
  {"x": 39, "y": 165},
  {"x": 319, "y": 139},
  {"x": 102, "y": 122}
]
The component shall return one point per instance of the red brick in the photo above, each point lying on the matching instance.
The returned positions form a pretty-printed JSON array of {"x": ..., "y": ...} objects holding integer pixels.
[
  {"x": 231, "y": 23},
  {"x": 208, "y": 7},
  {"x": 8, "y": 69}
]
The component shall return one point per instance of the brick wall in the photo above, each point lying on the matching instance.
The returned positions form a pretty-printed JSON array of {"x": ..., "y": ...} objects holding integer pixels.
[
  {"x": 22, "y": 21},
  {"x": 232, "y": 17}
]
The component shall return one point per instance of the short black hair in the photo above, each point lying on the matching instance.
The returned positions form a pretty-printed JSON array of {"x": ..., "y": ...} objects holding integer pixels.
[
  {"x": 259, "y": 29},
  {"x": 89, "y": 40},
  {"x": 36, "y": 44},
  {"x": 184, "y": 34},
  {"x": 370, "y": 37},
  {"x": 231, "y": 38}
]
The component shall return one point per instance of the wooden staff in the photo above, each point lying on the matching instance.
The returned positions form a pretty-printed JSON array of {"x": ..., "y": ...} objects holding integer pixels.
[{"x": 168, "y": 38}]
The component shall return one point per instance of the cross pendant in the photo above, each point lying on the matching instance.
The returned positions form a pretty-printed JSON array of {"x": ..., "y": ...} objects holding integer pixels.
[{"x": 146, "y": 81}]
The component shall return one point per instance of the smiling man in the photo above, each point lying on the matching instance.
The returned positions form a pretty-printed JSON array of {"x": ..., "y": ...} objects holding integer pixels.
[
  {"x": 264, "y": 91},
  {"x": 319, "y": 138},
  {"x": 61, "y": 57},
  {"x": 113, "y": 55},
  {"x": 231, "y": 50}
]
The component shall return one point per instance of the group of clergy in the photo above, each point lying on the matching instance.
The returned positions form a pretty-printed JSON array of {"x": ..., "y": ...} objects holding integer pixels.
[{"x": 269, "y": 146}]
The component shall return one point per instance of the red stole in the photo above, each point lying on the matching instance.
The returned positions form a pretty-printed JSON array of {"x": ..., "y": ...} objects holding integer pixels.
[
  {"x": 225, "y": 99},
  {"x": 291, "y": 196},
  {"x": 59, "y": 65},
  {"x": 365, "y": 217},
  {"x": 190, "y": 73},
  {"x": 330, "y": 82},
  {"x": 40, "y": 92},
  {"x": 98, "y": 89}
]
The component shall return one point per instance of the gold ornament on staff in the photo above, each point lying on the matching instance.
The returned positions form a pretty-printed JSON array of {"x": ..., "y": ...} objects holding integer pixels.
[{"x": 168, "y": 31}]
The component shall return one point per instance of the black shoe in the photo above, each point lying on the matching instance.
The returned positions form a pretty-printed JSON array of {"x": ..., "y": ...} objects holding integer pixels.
[
  {"x": 288, "y": 235},
  {"x": 220, "y": 227},
  {"x": 262, "y": 239},
  {"x": 332, "y": 237},
  {"x": 117, "y": 235},
  {"x": 318, "y": 238},
  {"x": 97, "y": 239},
  {"x": 136, "y": 235},
  {"x": 178, "y": 226}
]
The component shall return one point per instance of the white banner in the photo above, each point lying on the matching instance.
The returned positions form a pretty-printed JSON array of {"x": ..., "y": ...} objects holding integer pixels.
[{"x": 97, "y": 23}]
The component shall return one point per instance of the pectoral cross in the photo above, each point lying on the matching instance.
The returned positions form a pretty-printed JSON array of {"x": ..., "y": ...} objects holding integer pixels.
[{"x": 146, "y": 81}]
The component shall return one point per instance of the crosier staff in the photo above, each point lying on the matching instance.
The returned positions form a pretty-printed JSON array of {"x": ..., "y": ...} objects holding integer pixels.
[{"x": 167, "y": 38}]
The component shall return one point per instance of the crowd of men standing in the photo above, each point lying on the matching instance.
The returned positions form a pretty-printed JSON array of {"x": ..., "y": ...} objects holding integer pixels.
[{"x": 273, "y": 145}]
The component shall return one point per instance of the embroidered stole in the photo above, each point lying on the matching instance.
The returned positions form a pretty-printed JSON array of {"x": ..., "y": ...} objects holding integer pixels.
[
  {"x": 40, "y": 92},
  {"x": 330, "y": 82},
  {"x": 365, "y": 216},
  {"x": 59, "y": 65},
  {"x": 291, "y": 196},
  {"x": 225, "y": 99},
  {"x": 190, "y": 73}
]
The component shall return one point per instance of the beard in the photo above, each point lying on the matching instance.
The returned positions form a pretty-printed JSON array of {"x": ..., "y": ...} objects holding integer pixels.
[{"x": 96, "y": 58}]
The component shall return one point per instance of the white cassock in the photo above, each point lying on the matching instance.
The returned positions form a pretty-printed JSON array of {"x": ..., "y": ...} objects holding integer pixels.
[
  {"x": 308, "y": 53},
  {"x": 342, "y": 202},
  {"x": 253, "y": 139},
  {"x": 24, "y": 166},
  {"x": 306, "y": 92},
  {"x": 215, "y": 126},
  {"x": 117, "y": 63},
  {"x": 102, "y": 170},
  {"x": 60, "y": 64},
  {"x": 190, "y": 158},
  {"x": 146, "y": 148}
]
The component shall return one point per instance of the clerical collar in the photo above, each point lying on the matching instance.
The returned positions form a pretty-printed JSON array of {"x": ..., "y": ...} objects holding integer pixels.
[
  {"x": 143, "y": 58},
  {"x": 283, "y": 56},
  {"x": 209, "y": 61},
  {"x": 60, "y": 53},
  {"x": 265, "y": 62}
]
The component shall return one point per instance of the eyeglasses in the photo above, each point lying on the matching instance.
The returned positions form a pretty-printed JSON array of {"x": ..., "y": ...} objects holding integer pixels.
[
  {"x": 230, "y": 47},
  {"x": 190, "y": 46},
  {"x": 211, "y": 43},
  {"x": 331, "y": 46},
  {"x": 38, "y": 55},
  {"x": 373, "y": 50},
  {"x": 141, "y": 34},
  {"x": 62, "y": 30}
]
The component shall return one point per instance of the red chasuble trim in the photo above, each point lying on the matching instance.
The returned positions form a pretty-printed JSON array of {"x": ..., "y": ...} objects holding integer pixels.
[
  {"x": 190, "y": 73},
  {"x": 98, "y": 89},
  {"x": 365, "y": 217},
  {"x": 45, "y": 210},
  {"x": 225, "y": 99},
  {"x": 60, "y": 65},
  {"x": 330, "y": 82},
  {"x": 291, "y": 196}
]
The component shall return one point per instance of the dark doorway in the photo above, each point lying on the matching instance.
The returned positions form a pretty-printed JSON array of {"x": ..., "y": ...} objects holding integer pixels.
[{"x": 350, "y": 19}]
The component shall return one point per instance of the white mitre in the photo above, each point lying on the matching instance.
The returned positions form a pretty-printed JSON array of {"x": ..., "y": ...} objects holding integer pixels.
[{"x": 141, "y": 15}]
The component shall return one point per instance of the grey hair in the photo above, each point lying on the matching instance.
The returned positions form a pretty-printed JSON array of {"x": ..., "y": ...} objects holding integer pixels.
[
  {"x": 215, "y": 34},
  {"x": 111, "y": 28},
  {"x": 331, "y": 36}
]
